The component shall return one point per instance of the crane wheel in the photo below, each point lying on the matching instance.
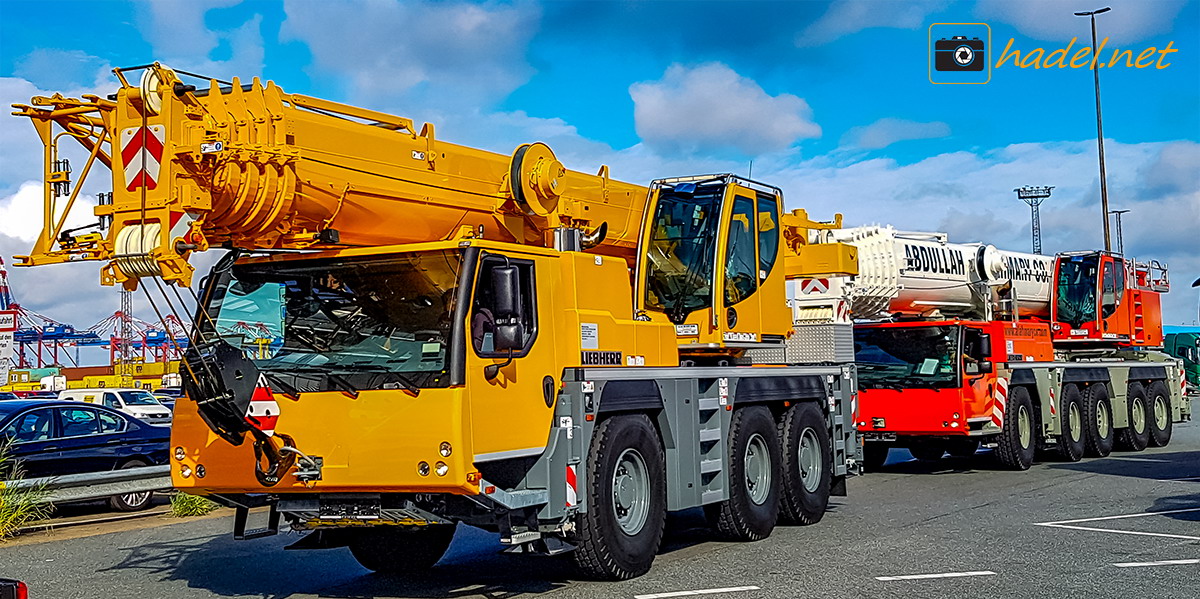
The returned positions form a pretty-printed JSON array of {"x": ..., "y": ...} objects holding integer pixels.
[
  {"x": 1159, "y": 402},
  {"x": 1072, "y": 435},
  {"x": 619, "y": 535},
  {"x": 806, "y": 462},
  {"x": 875, "y": 455},
  {"x": 1016, "y": 445},
  {"x": 1136, "y": 436},
  {"x": 1097, "y": 420},
  {"x": 400, "y": 549},
  {"x": 754, "y": 478}
]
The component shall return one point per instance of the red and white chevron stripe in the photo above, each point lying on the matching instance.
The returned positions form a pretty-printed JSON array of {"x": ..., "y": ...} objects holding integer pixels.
[
  {"x": 999, "y": 402},
  {"x": 141, "y": 153},
  {"x": 572, "y": 494},
  {"x": 1053, "y": 408},
  {"x": 814, "y": 285}
]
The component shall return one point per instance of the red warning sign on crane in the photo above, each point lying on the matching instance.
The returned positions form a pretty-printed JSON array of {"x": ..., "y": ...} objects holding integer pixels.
[{"x": 141, "y": 153}]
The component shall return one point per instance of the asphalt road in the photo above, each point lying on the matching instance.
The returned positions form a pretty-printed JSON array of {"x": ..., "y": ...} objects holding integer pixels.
[{"x": 957, "y": 517}]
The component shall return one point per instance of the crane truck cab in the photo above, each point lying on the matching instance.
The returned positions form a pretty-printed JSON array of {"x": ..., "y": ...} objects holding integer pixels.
[{"x": 1186, "y": 347}]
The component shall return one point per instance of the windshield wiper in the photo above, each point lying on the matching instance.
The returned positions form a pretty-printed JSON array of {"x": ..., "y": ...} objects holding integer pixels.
[{"x": 405, "y": 383}]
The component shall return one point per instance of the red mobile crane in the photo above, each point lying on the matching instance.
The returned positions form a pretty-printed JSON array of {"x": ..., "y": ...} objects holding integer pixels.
[{"x": 962, "y": 344}]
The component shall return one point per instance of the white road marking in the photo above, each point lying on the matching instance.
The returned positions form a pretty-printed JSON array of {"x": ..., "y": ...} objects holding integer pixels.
[
  {"x": 1137, "y": 515},
  {"x": 1131, "y": 459},
  {"x": 1123, "y": 532},
  {"x": 1068, "y": 523},
  {"x": 1169, "y": 562},
  {"x": 943, "y": 575},
  {"x": 694, "y": 593}
]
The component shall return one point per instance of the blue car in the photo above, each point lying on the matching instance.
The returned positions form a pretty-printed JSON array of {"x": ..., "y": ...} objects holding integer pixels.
[{"x": 52, "y": 438}]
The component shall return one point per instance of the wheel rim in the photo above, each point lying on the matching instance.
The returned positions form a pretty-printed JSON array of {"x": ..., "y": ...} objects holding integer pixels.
[
  {"x": 631, "y": 491},
  {"x": 1160, "y": 412},
  {"x": 758, "y": 469},
  {"x": 1024, "y": 427},
  {"x": 1137, "y": 415},
  {"x": 811, "y": 467},
  {"x": 1075, "y": 423},
  {"x": 135, "y": 498},
  {"x": 1103, "y": 420}
]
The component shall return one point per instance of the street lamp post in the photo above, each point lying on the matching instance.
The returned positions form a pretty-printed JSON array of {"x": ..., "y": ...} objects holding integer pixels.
[{"x": 1099, "y": 123}]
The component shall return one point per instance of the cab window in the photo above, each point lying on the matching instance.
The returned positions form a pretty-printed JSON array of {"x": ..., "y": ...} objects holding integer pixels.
[
  {"x": 1108, "y": 292},
  {"x": 768, "y": 234},
  {"x": 110, "y": 401},
  {"x": 741, "y": 263},
  {"x": 77, "y": 422},
  {"x": 37, "y": 425}
]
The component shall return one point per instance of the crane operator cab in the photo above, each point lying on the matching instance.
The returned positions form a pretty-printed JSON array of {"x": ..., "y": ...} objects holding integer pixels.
[
  {"x": 713, "y": 265},
  {"x": 1105, "y": 297}
]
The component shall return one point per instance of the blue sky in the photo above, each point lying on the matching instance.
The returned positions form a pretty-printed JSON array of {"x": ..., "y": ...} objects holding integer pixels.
[{"x": 831, "y": 100}]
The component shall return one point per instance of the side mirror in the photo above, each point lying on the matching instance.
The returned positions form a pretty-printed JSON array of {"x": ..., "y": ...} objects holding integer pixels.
[
  {"x": 986, "y": 367},
  {"x": 508, "y": 337},
  {"x": 506, "y": 293},
  {"x": 985, "y": 346}
]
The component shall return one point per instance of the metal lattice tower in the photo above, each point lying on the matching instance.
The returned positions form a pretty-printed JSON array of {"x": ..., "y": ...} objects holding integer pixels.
[
  {"x": 125, "y": 343},
  {"x": 1034, "y": 196}
]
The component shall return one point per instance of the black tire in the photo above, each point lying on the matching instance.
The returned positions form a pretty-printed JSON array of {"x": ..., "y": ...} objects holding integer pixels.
[
  {"x": 805, "y": 437},
  {"x": 1017, "y": 442},
  {"x": 1159, "y": 404},
  {"x": 927, "y": 452},
  {"x": 1136, "y": 436},
  {"x": 1072, "y": 435},
  {"x": 132, "y": 502},
  {"x": 400, "y": 549},
  {"x": 1097, "y": 420},
  {"x": 614, "y": 541},
  {"x": 875, "y": 455},
  {"x": 750, "y": 513},
  {"x": 962, "y": 448}
]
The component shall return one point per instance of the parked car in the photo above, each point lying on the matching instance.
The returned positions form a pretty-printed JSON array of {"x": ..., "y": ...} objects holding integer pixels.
[
  {"x": 13, "y": 589},
  {"x": 5, "y": 395},
  {"x": 168, "y": 395},
  {"x": 54, "y": 438},
  {"x": 37, "y": 394},
  {"x": 138, "y": 403}
]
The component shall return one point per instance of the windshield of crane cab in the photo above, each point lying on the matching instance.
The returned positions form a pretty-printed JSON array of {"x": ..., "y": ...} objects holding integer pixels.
[
  {"x": 1077, "y": 289},
  {"x": 682, "y": 254},
  {"x": 902, "y": 357},
  {"x": 375, "y": 322}
]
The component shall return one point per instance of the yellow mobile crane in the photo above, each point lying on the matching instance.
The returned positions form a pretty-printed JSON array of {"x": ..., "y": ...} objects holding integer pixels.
[{"x": 441, "y": 334}]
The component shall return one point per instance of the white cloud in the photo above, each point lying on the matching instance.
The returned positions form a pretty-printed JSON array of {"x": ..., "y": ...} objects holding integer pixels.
[
  {"x": 710, "y": 108},
  {"x": 21, "y": 212},
  {"x": 181, "y": 39},
  {"x": 1053, "y": 20},
  {"x": 452, "y": 53},
  {"x": 887, "y": 131},
  {"x": 845, "y": 17},
  {"x": 63, "y": 69}
]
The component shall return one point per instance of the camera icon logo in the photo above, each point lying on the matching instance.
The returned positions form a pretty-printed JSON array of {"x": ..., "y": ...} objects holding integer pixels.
[{"x": 961, "y": 56}]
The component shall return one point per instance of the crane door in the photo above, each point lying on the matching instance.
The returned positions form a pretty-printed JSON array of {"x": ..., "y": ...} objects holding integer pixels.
[{"x": 711, "y": 262}]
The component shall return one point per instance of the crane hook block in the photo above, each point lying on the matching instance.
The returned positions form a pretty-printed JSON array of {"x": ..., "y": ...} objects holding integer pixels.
[{"x": 536, "y": 177}]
